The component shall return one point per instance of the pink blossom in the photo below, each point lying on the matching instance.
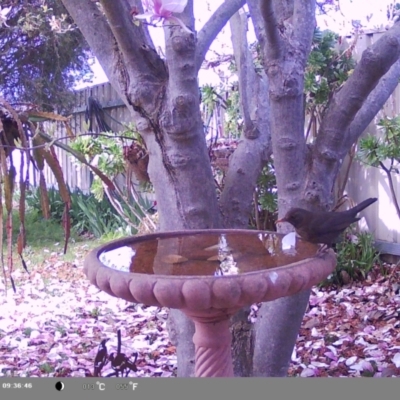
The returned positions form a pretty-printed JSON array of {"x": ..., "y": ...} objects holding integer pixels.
[
  {"x": 165, "y": 8},
  {"x": 162, "y": 10},
  {"x": 3, "y": 15}
]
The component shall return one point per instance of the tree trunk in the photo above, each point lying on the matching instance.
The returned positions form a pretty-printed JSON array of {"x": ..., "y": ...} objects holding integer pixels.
[
  {"x": 277, "y": 327},
  {"x": 181, "y": 331},
  {"x": 284, "y": 31}
]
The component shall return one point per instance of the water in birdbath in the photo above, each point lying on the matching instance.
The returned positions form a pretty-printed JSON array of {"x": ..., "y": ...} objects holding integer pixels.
[{"x": 204, "y": 253}]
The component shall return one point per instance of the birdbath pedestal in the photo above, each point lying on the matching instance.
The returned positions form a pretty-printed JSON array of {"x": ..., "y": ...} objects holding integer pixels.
[{"x": 209, "y": 275}]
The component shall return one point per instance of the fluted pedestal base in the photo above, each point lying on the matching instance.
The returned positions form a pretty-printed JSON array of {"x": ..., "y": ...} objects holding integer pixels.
[{"x": 212, "y": 341}]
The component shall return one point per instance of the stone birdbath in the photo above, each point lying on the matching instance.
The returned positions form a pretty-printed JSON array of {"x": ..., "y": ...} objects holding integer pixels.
[{"x": 209, "y": 275}]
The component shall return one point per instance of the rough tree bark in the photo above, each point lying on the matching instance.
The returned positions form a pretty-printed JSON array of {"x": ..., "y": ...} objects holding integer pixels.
[
  {"x": 254, "y": 148},
  {"x": 162, "y": 95}
]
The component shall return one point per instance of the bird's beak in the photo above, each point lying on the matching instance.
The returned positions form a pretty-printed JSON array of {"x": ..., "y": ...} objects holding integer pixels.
[{"x": 281, "y": 220}]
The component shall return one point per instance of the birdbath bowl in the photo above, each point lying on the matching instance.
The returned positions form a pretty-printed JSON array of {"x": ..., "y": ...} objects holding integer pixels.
[{"x": 209, "y": 275}]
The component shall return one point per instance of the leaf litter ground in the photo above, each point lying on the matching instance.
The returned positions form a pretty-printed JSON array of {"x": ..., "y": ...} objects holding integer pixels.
[{"x": 54, "y": 326}]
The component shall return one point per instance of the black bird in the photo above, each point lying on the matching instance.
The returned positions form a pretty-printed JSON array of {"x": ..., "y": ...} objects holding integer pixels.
[{"x": 323, "y": 226}]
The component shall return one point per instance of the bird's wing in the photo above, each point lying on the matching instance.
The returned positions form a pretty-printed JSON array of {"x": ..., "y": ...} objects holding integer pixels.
[
  {"x": 331, "y": 224},
  {"x": 330, "y": 237}
]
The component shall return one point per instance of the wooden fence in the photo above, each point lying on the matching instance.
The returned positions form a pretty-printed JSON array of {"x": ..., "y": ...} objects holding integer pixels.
[
  {"x": 116, "y": 115},
  {"x": 80, "y": 176},
  {"x": 381, "y": 218}
]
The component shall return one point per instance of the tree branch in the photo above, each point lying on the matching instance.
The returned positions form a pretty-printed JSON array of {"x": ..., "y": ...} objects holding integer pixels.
[
  {"x": 273, "y": 45},
  {"x": 374, "y": 103},
  {"x": 391, "y": 186},
  {"x": 78, "y": 155},
  {"x": 187, "y": 17},
  {"x": 284, "y": 61},
  {"x": 245, "y": 66},
  {"x": 132, "y": 39},
  {"x": 258, "y": 21},
  {"x": 254, "y": 148},
  {"x": 130, "y": 79},
  {"x": 304, "y": 12},
  {"x": 180, "y": 50},
  {"x": 97, "y": 32},
  {"x": 139, "y": 6},
  {"x": 375, "y": 62},
  {"x": 213, "y": 26},
  {"x": 329, "y": 146}
]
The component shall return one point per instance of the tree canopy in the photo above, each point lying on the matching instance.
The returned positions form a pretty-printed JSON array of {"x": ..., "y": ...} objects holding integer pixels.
[{"x": 42, "y": 54}]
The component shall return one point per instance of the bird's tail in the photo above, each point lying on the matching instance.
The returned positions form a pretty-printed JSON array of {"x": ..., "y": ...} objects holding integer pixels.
[{"x": 364, "y": 204}]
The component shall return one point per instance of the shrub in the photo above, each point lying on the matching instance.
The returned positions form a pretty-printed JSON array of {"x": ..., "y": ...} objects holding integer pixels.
[
  {"x": 356, "y": 256},
  {"x": 88, "y": 215}
]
